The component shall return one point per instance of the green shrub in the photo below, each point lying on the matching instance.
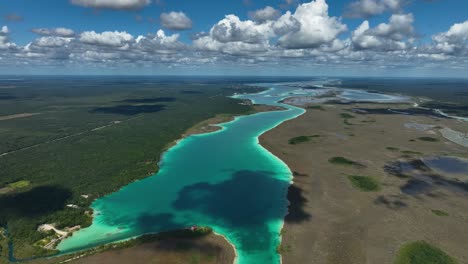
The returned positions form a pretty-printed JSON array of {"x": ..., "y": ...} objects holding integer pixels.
[
  {"x": 346, "y": 115},
  {"x": 316, "y": 107},
  {"x": 301, "y": 139},
  {"x": 439, "y": 213},
  {"x": 19, "y": 184},
  {"x": 392, "y": 149},
  {"x": 343, "y": 161},
  {"x": 410, "y": 152},
  {"x": 421, "y": 252},
  {"x": 428, "y": 139},
  {"x": 364, "y": 183}
]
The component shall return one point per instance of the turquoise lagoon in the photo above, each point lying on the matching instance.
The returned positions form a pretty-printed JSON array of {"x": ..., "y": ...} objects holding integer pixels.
[{"x": 225, "y": 180}]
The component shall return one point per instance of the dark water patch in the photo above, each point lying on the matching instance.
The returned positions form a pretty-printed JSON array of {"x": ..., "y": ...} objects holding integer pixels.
[
  {"x": 297, "y": 201},
  {"x": 391, "y": 111},
  {"x": 235, "y": 203},
  {"x": 129, "y": 109},
  {"x": 390, "y": 201},
  {"x": 416, "y": 187},
  {"x": 231, "y": 200},
  {"x": 339, "y": 102},
  {"x": 375, "y": 92},
  {"x": 35, "y": 202},
  {"x": 149, "y": 222},
  {"x": 405, "y": 169},
  {"x": 422, "y": 179},
  {"x": 150, "y": 100},
  {"x": 418, "y": 165},
  {"x": 429, "y": 182},
  {"x": 191, "y": 92},
  {"x": 7, "y": 97},
  {"x": 450, "y": 184},
  {"x": 449, "y": 108},
  {"x": 448, "y": 165}
]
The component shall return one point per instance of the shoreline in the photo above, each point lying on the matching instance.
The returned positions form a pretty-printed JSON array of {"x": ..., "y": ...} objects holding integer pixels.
[
  {"x": 215, "y": 125},
  {"x": 340, "y": 213},
  {"x": 139, "y": 241},
  {"x": 291, "y": 182},
  {"x": 236, "y": 256}
]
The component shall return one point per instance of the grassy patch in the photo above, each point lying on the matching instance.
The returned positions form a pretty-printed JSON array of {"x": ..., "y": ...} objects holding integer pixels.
[
  {"x": 429, "y": 139},
  {"x": 316, "y": 107},
  {"x": 368, "y": 121},
  {"x": 343, "y": 161},
  {"x": 439, "y": 212},
  {"x": 410, "y": 152},
  {"x": 283, "y": 248},
  {"x": 346, "y": 122},
  {"x": 19, "y": 184},
  {"x": 392, "y": 149},
  {"x": 364, "y": 183},
  {"x": 421, "y": 252},
  {"x": 346, "y": 115},
  {"x": 301, "y": 139}
]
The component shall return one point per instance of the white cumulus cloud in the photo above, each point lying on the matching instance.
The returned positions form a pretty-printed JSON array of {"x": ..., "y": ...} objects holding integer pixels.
[
  {"x": 112, "y": 4},
  {"x": 160, "y": 43},
  {"x": 232, "y": 29},
  {"x": 395, "y": 35},
  {"x": 368, "y": 8},
  {"x": 316, "y": 27},
  {"x": 176, "y": 21},
  {"x": 265, "y": 14},
  {"x": 51, "y": 41},
  {"x": 454, "y": 41},
  {"x": 4, "y": 38},
  {"x": 59, "y": 32},
  {"x": 107, "y": 38}
]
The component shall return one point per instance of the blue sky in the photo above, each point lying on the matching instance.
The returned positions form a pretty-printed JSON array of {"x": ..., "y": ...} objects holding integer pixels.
[{"x": 420, "y": 36}]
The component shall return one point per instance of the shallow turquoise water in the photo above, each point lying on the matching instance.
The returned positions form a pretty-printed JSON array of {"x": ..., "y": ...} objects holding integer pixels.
[{"x": 224, "y": 179}]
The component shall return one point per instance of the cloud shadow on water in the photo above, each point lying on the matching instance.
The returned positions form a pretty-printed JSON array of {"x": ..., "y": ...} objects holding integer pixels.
[
  {"x": 245, "y": 203},
  {"x": 7, "y": 97}
]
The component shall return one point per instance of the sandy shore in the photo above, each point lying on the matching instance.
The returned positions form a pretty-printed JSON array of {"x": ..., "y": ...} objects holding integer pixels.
[
  {"x": 17, "y": 116},
  {"x": 330, "y": 221},
  {"x": 211, "y": 124},
  {"x": 163, "y": 249},
  {"x": 211, "y": 249}
]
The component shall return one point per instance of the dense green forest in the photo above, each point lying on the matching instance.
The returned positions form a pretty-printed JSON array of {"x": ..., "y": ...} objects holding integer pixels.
[{"x": 68, "y": 141}]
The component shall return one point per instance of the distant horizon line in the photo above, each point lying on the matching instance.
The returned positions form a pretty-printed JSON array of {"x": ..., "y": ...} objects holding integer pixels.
[{"x": 229, "y": 76}]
